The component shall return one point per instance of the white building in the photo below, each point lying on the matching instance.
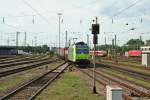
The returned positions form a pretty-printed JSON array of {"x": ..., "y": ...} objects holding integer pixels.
[{"x": 145, "y": 56}]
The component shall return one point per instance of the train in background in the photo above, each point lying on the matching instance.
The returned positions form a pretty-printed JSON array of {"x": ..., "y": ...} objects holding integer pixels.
[
  {"x": 77, "y": 53},
  {"x": 62, "y": 52},
  {"x": 80, "y": 54},
  {"x": 133, "y": 53},
  {"x": 130, "y": 53},
  {"x": 99, "y": 53}
]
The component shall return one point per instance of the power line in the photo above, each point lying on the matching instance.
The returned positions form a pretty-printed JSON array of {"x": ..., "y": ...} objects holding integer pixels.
[
  {"x": 16, "y": 16},
  {"x": 13, "y": 27},
  {"x": 85, "y": 5},
  {"x": 123, "y": 10},
  {"x": 29, "y": 5},
  {"x": 6, "y": 17}
]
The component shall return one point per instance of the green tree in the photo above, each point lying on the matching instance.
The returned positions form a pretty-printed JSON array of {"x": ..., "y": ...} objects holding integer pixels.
[
  {"x": 109, "y": 48},
  {"x": 148, "y": 42},
  {"x": 37, "y": 49},
  {"x": 134, "y": 44}
]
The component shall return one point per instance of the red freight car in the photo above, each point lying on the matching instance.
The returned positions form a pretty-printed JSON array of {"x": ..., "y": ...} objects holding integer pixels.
[
  {"x": 99, "y": 53},
  {"x": 62, "y": 52},
  {"x": 134, "y": 53}
]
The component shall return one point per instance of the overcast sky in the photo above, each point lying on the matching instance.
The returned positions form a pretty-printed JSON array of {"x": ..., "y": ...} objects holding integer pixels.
[{"x": 77, "y": 17}]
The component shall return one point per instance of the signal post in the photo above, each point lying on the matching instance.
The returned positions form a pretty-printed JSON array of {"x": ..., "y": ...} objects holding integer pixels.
[{"x": 95, "y": 32}]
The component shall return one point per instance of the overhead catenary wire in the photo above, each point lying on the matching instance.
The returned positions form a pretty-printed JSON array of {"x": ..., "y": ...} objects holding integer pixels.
[
  {"x": 123, "y": 10},
  {"x": 14, "y": 27},
  {"x": 21, "y": 30},
  {"x": 73, "y": 7},
  {"x": 33, "y": 20},
  {"x": 6, "y": 16},
  {"x": 36, "y": 11}
]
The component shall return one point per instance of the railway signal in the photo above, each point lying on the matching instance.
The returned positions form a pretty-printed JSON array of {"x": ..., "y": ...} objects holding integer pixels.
[
  {"x": 95, "y": 28},
  {"x": 95, "y": 32}
]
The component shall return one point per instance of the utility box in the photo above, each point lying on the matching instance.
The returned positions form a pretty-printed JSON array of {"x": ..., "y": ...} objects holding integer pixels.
[
  {"x": 114, "y": 93},
  {"x": 146, "y": 56}
]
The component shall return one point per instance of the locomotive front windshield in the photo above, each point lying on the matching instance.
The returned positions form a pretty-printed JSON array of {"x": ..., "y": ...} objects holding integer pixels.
[{"x": 82, "y": 49}]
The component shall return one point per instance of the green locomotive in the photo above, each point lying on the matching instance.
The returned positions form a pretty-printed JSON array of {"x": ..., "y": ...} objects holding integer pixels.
[{"x": 78, "y": 53}]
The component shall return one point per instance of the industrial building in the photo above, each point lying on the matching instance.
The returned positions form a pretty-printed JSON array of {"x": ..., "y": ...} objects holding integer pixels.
[{"x": 8, "y": 50}]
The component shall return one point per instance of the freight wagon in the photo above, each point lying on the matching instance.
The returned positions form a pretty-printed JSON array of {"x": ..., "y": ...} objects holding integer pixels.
[
  {"x": 134, "y": 53},
  {"x": 98, "y": 53},
  {"x": 62, "y": 52}
]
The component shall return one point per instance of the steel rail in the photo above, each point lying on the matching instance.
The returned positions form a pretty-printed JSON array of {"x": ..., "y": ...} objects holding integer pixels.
[
  {"x": 126, "y": 97},
  {"x": 22, "y": 62},
  {"x": 30, "y": 83},
  {"x": 20, "y": 59},
  {"x": 131, "y": 72},
  {"x": 131, "y": 88},
  {"x": 17, "y": 70},
  {"x": 124, "y": 78}
]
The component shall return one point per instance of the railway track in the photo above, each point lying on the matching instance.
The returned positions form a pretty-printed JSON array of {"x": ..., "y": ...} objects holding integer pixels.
[
  {"x": 132, "y": 89},
  {"x": 131, "y": 78},
  {"x": 11, "y": 82},
  {"x": 32, "y": 88},
  {"x": 4, "y": 57},
  {"x": 9, "y": 71},
  {"x": 20, "y": 59},
  {"x": 11, "y": 58},
  {"x": 40, "y": 58},
  {"x": 128, "y": 71},
  {"x": 123, "y": 63},
  {"x": 105, "y": 79},
  {"x": 126, "y": 59},
  {"x": 130, "y": 59}
]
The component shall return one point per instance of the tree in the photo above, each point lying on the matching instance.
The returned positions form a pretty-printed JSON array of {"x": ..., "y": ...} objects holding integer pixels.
[
  {"x": 37, "y": 49},
  {"x": 109, "y": 48},
  {"x": 134, "y": 44},
  {"x": 148, "y": 42},
  {"x": 45, "y": 48}
]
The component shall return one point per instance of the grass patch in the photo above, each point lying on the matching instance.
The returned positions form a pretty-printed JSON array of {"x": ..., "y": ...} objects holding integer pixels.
[
  {"x": 125, "y": 63},
  {"x": 132, "y": 67},
  {"x": 70, "y": 87},
  {"x": 138, "y": 81},
  {"x": 17, "y": 79}
]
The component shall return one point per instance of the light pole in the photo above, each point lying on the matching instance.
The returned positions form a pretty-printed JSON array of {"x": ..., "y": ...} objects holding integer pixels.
[
  {"x": 17, "y": 38},
  {"x": 59, "y": 15},
  {"x": 25, "y": 39},
  {"x": 88, "y": 40},
  {"x": 66, "y": 40},
  {"x": 116, "y": 49}
]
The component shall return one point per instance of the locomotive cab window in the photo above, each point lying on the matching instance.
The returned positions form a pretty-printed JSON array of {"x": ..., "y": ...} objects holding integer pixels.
[{"x": 82, "y": 51}]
